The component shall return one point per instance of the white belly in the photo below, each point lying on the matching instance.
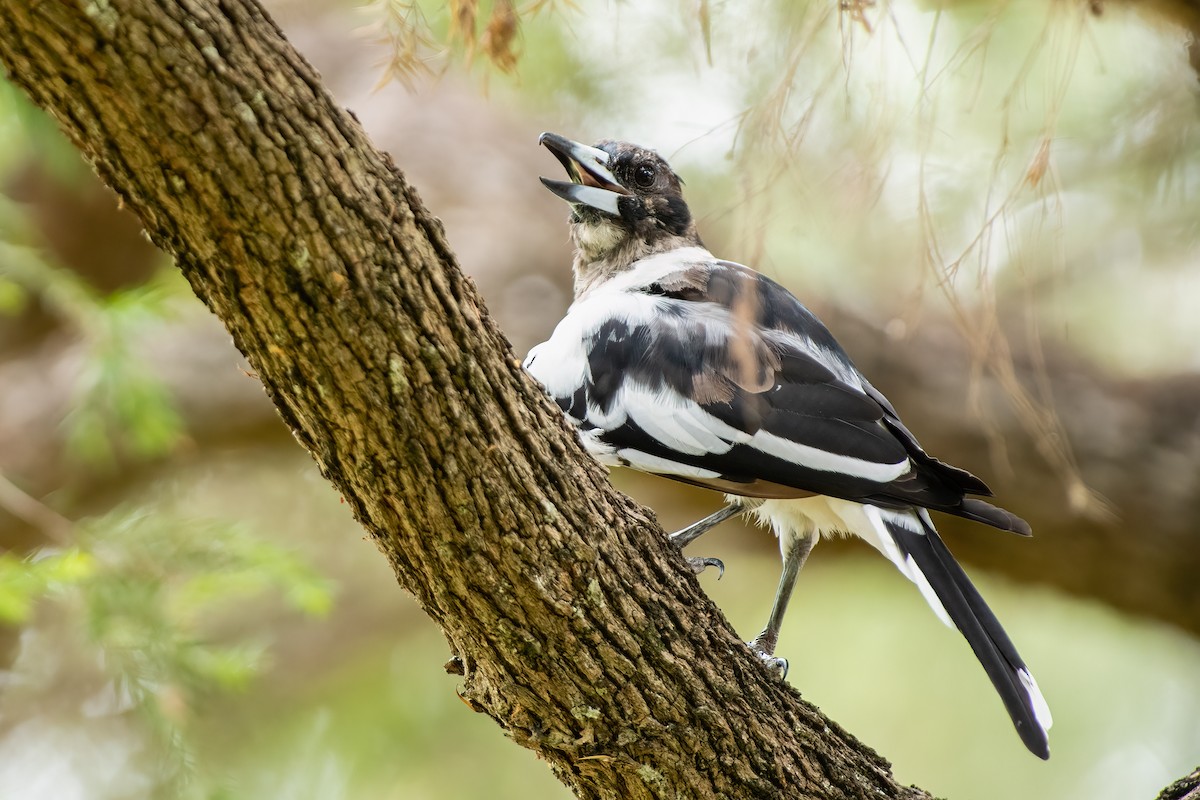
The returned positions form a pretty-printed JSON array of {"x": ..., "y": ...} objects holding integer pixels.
[
  {"x": 818, "y": 515},
  {"x": 821, "y": 515}
]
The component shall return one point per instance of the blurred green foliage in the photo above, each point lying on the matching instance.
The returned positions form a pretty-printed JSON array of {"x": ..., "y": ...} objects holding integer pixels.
[
  {"x": 150, "y": 606},
  {"x": 150, "y": 595},
  {"x": 145, "y": 593},
  {"x": 119, "y": 405},
  {"x": 28, "y": 133},
  {"x": 25, "y": 581}
]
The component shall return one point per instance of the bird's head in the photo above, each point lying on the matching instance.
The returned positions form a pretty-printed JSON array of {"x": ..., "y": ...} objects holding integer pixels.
[{"x": 626, "y": 203}]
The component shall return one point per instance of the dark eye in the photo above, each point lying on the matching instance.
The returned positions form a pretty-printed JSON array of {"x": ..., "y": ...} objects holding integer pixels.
[{"x": 643, "y": 176}]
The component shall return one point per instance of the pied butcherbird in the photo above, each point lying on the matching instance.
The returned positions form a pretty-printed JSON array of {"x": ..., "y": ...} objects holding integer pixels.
[{"x": 675, "y": 362}]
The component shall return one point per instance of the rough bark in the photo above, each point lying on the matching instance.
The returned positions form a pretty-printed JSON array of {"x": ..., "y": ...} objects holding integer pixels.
[
  {"x": 1186, "y": 788},
  {"x": 577, "y": 628}
]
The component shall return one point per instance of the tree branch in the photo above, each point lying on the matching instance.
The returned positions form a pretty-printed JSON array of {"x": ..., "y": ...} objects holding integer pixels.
[
  {"x": 579, "y": 631},
  {"x": 1186, "y": 788}
]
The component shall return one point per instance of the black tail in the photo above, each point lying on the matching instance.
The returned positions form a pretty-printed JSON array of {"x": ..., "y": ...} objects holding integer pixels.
[
  {"x": 989, "y": 514},
  {"x": 916, "y": 538}
]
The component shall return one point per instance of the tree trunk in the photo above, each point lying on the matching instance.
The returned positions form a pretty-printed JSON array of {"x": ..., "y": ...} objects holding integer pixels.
[
  {"x": 1186, "y": 788},
  {"x": 576, "y": 626}
]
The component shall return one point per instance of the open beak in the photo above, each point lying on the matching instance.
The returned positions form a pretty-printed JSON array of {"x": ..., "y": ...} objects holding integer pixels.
[{"x": 591, "y": 182}]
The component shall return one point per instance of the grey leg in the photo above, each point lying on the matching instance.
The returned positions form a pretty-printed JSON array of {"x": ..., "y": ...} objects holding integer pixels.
[
  {"x": 793, "y": 559},
  {"x": 682, "y": 538}
]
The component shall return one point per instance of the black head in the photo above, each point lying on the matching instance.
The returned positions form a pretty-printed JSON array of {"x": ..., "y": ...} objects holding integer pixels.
[{"x": 628, "y": 191}]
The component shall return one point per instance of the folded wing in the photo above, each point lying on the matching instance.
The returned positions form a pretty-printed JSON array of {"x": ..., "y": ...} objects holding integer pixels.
[{"x": 715, "y": 375}]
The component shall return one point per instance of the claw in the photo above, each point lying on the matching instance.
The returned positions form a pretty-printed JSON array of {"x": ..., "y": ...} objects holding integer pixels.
[
  {"x": 698, "y": 565},
  {"x": 691, "y": 533},
  {"x": 777, "y": 665},
  {"x": 763, "y": 646}
]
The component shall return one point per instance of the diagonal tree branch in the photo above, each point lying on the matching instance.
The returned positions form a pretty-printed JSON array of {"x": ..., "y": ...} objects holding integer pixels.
[
  {"x": 576, "y": 628},
  {"x": 1186, "y": 788}
]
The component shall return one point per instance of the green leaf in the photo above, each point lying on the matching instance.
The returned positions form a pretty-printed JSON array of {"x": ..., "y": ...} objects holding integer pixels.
[
  {"x": 17, "y": 591},
  {"x": 25, "y": 581},
  {"x": 87, "y": 436},
  {"x": 226, "y": 668},
  {"x": 143, "y": 408},
  {"x": 13, "y": 297}
]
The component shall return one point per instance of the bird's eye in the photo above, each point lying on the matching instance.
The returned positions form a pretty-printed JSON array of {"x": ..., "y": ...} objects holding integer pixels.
[{"x": 643, "y": 176}]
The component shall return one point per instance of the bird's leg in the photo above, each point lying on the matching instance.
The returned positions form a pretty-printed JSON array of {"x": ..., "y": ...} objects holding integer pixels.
[
  {"x": 795, "y": 554},
  {"x": 682, "y": 538},
  {"x": 685, "y": 536}
]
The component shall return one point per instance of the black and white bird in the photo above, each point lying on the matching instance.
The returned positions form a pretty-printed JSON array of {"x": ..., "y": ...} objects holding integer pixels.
[{"x": 674, "y": 362}]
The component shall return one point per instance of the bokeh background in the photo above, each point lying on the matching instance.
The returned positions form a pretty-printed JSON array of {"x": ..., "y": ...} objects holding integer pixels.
[{"x": 995, "y": 205}]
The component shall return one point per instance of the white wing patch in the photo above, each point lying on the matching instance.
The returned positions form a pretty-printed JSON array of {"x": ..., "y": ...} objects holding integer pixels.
[
  {"x": 822, "y": 355},
  {"x": 662, "y": 466},
  {"x": 816, "y": 458},
  {"x": 676, "y": 421}
]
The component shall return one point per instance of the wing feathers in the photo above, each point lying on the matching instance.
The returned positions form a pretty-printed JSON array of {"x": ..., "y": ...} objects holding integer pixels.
[{"x": 831, "y": 400}]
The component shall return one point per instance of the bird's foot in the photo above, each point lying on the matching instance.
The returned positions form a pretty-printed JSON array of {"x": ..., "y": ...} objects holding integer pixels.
[
  {"x": 777, "y": 665},
  {"x": 691, "y": 533},
  {"x": 764, "y": 647},
  {"x": 698, "y": 565}
]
